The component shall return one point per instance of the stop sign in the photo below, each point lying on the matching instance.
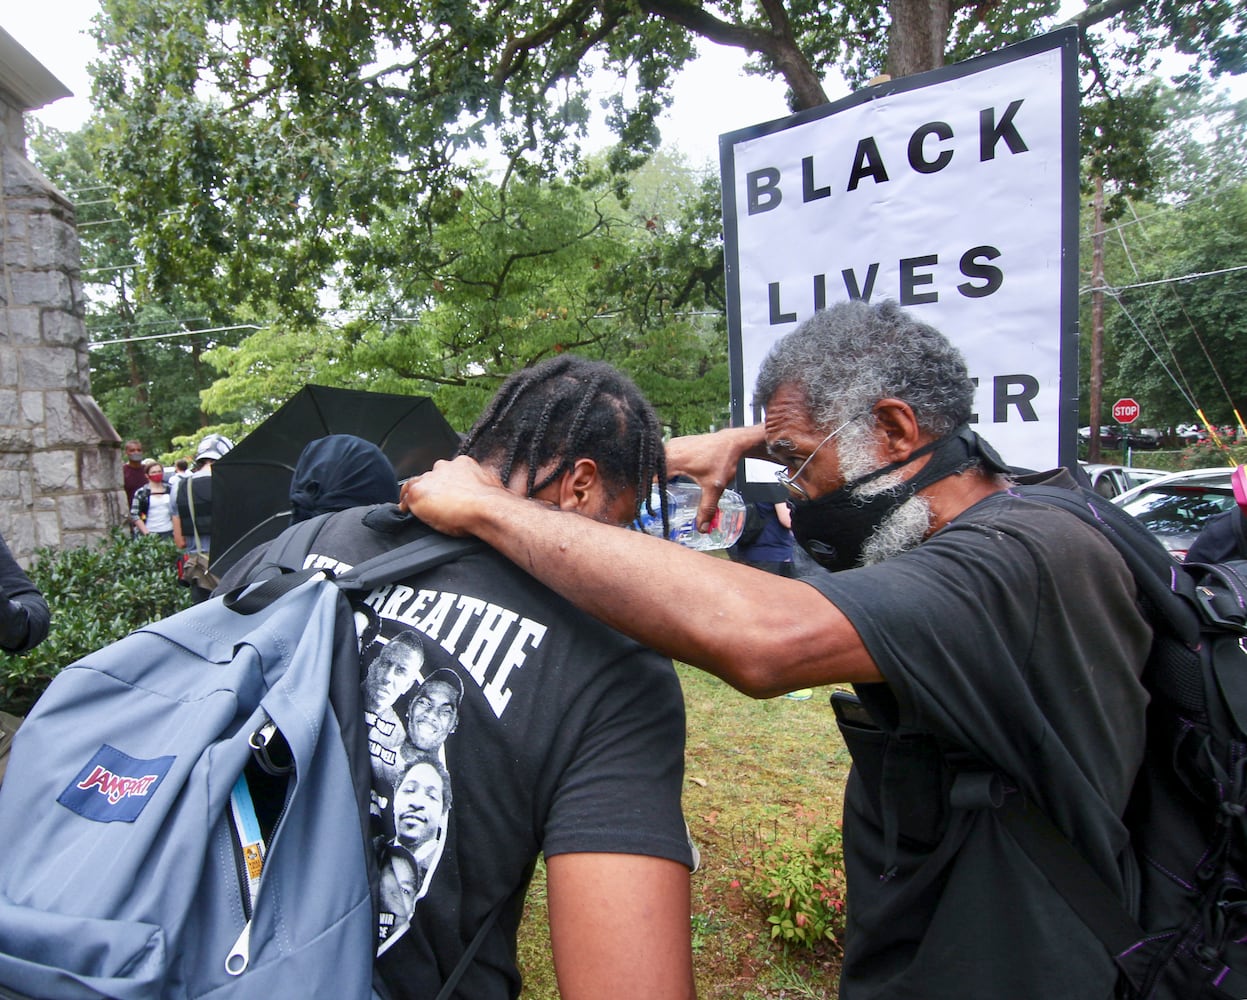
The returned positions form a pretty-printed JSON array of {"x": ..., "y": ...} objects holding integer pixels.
[{"x": 1126, "y": 411}]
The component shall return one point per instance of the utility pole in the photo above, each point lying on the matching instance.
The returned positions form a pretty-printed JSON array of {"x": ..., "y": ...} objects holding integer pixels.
[{"x": 1096, "y": 378}]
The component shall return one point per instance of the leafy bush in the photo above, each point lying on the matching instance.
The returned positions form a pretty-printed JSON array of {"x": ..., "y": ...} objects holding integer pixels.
[
  {"x": 798, "y": 884},
  {"x": 96, "y": 595},
  {"x": 1206, "y": 455}
]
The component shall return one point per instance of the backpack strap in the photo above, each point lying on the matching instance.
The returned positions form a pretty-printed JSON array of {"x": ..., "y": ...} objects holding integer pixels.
[
  {"x": 407, "y": 560},
  {"x": 190, "y": 499},
  {"x": 1160, "y": 580},
  {"x": 1075, "y": 881},
  {"x": 286, "y": 554},
  {"x": 1155, "y": 571},
  {"x": 291, "y": 548},
  {"x": 465, "y": 960}
]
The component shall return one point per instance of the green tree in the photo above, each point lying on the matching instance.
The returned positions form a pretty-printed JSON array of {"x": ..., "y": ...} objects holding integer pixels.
[
  {"x": 1203, "y": 146},
  {"x": 251, "y": 142},
  {"x": 309, "y": 164},
  {"x": 1178, "y": 328},
  {"x": 508, "y": 276}
]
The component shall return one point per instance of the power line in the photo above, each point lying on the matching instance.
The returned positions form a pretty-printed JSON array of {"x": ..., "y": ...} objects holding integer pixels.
[
  {"x": 1139, "y": 220},
  {"x": 1184, "y": 277},
  {"x": 175, "y": 333},
  {"x": 151, "y": 322},
  {"x": 1142, "y": 336}
]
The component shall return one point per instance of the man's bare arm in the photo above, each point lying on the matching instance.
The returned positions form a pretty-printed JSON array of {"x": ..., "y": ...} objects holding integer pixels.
[
  {"x": 620, "y": 928},
  {"x": 763, "y": 634}
]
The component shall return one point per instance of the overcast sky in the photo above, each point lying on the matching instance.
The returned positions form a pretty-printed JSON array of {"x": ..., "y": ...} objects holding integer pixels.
[{"x": 712, "y": 97}]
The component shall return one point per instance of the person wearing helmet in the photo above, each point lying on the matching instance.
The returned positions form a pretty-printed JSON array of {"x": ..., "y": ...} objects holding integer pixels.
[{"x": 192, "y": 504}]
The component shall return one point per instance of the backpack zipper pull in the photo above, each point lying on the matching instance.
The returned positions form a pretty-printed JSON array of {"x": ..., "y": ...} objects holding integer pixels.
[{"x": 239, "y": 956}]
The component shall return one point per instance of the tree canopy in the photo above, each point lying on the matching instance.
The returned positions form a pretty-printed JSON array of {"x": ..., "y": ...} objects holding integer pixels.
[
  {"x": 399, "y": 194},
  {"x": 1178, "y": 329}
]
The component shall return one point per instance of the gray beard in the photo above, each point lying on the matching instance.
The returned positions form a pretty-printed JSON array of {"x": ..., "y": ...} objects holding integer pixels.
[
  {"x": 900, "y": 531},
  {"x": 906, "y": 526}
]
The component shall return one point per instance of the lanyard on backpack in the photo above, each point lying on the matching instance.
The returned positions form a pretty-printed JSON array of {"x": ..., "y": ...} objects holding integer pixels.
[{"x": 250, "y": 839}]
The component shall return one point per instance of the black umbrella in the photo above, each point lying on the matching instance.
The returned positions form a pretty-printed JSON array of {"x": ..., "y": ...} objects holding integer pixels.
[{"x": 251, "y": 483}]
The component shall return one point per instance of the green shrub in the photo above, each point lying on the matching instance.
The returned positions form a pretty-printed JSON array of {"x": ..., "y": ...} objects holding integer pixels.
[
  {"x": 96, "y": 595},
  {"x": 798, "y": 884},
  {"x": 1206, "y": 455}
]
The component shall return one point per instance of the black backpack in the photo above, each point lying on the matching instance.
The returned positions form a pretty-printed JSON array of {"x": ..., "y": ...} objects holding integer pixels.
[{"x": 1188, "y": 810}]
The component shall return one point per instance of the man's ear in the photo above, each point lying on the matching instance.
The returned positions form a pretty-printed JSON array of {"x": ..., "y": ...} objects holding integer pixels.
[
  {"x": 898, "y": 428},
  {"x": 578, "y": 485}
]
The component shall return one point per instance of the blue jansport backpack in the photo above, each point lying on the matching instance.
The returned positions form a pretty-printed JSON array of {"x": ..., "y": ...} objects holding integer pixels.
[{"x": 185, "y": 811}]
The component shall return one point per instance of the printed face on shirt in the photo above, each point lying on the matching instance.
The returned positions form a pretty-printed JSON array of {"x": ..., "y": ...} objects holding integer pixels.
[
  {"x": 432, "y": 715},
  {"x": 419, "y": 802},
  {"x": 398, "y": 886},
  {"x": 392, "y": 674}
]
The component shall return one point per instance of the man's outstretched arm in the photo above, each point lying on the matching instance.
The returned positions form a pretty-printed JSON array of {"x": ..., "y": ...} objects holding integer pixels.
[
  {"x": 763, "y": 634},
  {"x": 620, "y": 927}
]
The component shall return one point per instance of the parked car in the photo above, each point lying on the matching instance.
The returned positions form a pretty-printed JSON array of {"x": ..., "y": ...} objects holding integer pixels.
[
  {"x": 1113, "y": 480},
  {"x": 1119, "y": 436},
  {"x": 1176, "y": 507}
]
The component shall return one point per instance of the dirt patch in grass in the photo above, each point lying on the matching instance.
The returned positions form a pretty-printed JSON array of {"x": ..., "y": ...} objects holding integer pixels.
[{"x": 754, "y": 771}]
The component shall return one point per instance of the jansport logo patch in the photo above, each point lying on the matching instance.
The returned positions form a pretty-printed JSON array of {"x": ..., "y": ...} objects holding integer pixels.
[{"x": 113, "y": 786}]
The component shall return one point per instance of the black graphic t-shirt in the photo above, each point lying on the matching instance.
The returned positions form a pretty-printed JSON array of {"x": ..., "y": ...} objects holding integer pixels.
[{"x": 502, "y": 723}]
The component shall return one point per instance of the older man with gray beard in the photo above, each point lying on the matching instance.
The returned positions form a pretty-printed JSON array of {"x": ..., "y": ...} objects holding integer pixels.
[{"x": 988, "y": 636}]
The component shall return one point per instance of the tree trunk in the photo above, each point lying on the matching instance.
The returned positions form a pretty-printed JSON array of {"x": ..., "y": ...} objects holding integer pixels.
[{"x": 918, "y": 35}]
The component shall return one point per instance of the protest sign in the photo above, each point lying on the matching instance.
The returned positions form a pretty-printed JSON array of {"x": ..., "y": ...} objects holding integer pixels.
[{"x": 955, "y": 193}]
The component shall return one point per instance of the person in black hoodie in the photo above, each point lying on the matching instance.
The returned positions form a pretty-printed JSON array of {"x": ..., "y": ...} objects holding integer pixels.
[{"x": 333, "y": 473}]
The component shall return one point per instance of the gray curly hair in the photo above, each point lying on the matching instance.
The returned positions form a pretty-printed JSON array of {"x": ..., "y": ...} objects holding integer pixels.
[{"x": 846, "y": 358}]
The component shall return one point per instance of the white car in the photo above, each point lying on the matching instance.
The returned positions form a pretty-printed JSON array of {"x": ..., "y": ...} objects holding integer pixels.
[
  {"x": 1176, "y": 507},
  {"x": 1113, "y": 480}
]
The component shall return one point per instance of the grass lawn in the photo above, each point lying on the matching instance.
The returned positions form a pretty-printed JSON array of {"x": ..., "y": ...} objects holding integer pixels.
[{"x": 754, "y": 771}]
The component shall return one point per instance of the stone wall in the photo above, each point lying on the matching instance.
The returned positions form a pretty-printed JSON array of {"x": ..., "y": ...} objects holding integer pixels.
[{"x": 60, "y": 459}]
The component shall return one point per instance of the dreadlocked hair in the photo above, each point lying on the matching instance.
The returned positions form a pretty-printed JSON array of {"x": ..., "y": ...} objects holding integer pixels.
[{"x": 544, "y": 418}]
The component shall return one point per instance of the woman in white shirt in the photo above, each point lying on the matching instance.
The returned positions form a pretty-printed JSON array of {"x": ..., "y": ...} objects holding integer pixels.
[{"x": 150, "y": 510}]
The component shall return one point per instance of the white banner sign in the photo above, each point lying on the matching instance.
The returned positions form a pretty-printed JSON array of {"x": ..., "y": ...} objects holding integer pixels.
[{"x": 955, "y": 194}]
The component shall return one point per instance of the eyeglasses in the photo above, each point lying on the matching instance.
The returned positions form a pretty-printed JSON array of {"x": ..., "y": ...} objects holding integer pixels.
[{"x": 789, "y": 482}]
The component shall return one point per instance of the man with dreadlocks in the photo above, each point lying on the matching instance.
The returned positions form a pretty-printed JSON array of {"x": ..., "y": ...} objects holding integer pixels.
[{"x": 568, "y": 739}]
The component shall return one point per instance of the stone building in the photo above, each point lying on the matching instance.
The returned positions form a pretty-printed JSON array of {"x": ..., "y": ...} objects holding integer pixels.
[{"x": 60, "y": 460}]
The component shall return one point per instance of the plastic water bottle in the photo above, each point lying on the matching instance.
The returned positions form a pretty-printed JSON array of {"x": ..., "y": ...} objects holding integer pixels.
[{"x": 682, "y": 501}]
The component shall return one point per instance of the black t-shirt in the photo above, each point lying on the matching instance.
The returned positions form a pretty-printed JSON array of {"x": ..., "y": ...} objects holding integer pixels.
[
  {"x": 568, "y": 738},
  {"x": 1013, "y": 635}
]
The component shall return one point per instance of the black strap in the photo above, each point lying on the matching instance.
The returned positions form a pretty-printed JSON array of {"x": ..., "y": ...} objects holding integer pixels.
[
  {"x": 1070, "y": 874},
  {"x": 1075, "y": 881},
  {"x": 291, "y": 548},
  {"x": 407, "y": 560},
  {"x": 1154, "y": 570},
  {"x": 448, "y": 987}
]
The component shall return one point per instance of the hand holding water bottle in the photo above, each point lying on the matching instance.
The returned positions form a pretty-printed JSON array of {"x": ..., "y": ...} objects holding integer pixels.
[{"x": 682, "y": 501}]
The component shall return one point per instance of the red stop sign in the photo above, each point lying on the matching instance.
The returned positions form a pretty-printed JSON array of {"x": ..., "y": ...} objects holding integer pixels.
[{"x": 1126, "y": 411}]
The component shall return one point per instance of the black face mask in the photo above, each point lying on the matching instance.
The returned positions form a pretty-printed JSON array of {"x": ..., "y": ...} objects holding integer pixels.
[{"x": 834, "y": 529}]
